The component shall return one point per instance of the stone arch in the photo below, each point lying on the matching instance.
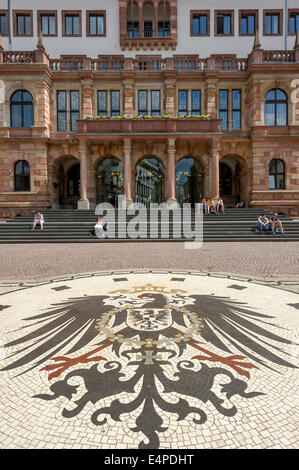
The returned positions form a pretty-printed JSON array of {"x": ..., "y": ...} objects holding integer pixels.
[
  {"x": 109, "y": 179},
  {"x": 235, "y": 168},
  {"x": 190, "y": 179},
  {"x": 149, "y": 180},
  {"x": 61, "y": 196}
]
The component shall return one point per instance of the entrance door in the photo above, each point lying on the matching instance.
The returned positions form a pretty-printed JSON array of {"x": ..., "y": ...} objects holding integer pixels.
[
  {"x": 109, "y": 181},
  {"x": 149, "y": 182},
  {"x": 225, "y": 180},
  {"x": 189, "y": 181}
]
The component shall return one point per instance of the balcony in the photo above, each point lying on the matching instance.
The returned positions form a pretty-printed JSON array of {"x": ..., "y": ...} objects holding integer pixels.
[{"x": 149, "y": 125}]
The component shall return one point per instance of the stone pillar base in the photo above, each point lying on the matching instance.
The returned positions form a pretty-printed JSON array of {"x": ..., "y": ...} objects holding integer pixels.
[
  {"x": 83, "y": 205},
  {"x": 128, "y": 202},
  {"x": 172, "y": 203}
]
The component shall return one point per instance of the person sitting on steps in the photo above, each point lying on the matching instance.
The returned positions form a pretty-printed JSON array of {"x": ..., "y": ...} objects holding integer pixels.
[
  {"x": 205, "y": 206},
  {"x": 38, "y": 219},
  {"x": 211, "y": 206},
  {"x": 276, "y": 225},
  {"x": 220, "y": 205},
  {"x": 263, "y": 223}
]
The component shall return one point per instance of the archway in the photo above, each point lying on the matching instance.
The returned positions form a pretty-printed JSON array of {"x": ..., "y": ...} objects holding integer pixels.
[
  {"x": 149, "y": 181},
  {"x": 233, "y": 179},
  {"x": 109, "y": 181},
  {"x": 189, "y": 181},
  {"x": 65, "y": 188}
]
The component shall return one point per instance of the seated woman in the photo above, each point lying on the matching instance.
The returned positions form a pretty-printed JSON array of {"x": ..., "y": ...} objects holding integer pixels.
[
  {"x": 205, "y": 206},
  {"x": 220, "y": 205},
  {"x": 211, "y": 206},
  {"x": 263, "y": 223},
  {"x": 99, "y": 228},
  {"x": 38, "y": 219}
]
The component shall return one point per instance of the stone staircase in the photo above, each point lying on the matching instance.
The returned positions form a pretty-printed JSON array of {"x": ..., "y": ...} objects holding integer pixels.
[{"x": 72, "y": 226}]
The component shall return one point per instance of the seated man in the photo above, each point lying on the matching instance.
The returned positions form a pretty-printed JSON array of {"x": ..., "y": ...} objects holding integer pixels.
[
  {"x": 211, "y": 206},
  {"x": 276, "y": 224},
  {"x": 263, "y": 223},
  {"x": 39, "y": 219},
  {"x": 219, "y": 205}
]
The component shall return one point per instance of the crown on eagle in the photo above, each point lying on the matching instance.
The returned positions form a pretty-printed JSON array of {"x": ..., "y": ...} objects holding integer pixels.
[{"x": 148, "y": 288}]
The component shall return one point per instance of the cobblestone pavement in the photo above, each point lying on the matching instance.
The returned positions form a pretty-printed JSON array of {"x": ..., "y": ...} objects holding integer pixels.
[
  {"x": 161, "y": 359},
  {"x": 265, "y": 260}
]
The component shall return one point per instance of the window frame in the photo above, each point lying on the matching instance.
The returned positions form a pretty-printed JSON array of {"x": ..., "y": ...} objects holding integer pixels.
[
  {"x": 232, "y": 22},
  {"x": 224, "y": 110},
  {"x": 73, "y": 111},
  {"x": 105, "y": 112},
  {"x": 280, "y": 21},
  {"x": 59, "y": 111},
  {"x": 256, "y": 21},
  {"x": 187, "y": 103},
  {"x": 290, "y": 12},
  {"x": 118, "y": 111},
  {"x": 276, "y": 102},
  {"x": 206, "y": 13},
  {"x": 22, "y": 177},
  {"x": 21, "y": 105},
  {"x": 66, "y": 13},
  {"x": 5, "y": 13},
  {"x": 236, "y": 110},
  {"x": 194, "y": 112},
  {"x": 276, "y": 174},
  {"x": 90, "y": 13},
  {"x": 17, "y": 13},
  {"x": 40, "y": 14},
  {"x": 138, "y": 108}
]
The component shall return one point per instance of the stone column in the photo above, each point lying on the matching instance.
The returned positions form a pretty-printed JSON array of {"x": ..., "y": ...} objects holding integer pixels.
[
  {"x": 140, "y": 6},
  {"x": 170, "y": 173},
  {"x": 83, "y": 203},
  {"x": 170, "y": 95},
  {"x": 127, "y": 149},
  {"x": 156, "y": 6},
  {"x": 214, "y": 184},
  {"x": 86, "y": 98}
]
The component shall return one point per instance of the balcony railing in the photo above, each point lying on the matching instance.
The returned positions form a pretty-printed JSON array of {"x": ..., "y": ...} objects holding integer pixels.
[
  {"x": 149, "y": 125},
  {"x": 278, "y": 56}
]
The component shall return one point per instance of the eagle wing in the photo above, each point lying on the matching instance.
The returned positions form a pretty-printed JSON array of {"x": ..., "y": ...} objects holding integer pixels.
[
  {"x": 228, "y": 321},
  {"x": 72, "y": 321}
]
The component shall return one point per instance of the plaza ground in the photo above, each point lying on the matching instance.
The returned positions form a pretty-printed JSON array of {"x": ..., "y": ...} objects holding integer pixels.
[{"x": 41, "y": 261}]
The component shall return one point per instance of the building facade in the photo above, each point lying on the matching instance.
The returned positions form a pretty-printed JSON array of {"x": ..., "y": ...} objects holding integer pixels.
[{"x": 159, "y": 100}]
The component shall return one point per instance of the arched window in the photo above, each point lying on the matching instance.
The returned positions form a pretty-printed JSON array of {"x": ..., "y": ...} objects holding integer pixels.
[
  {"x": 276, "y": 174},
  {"x": 21, "y": 109},
  {"x": 276, "y": 108},
  {"x": 22, "y": 176}
]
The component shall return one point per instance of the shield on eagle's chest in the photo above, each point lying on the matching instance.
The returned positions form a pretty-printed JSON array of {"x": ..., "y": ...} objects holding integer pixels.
[{"x": 149, "y": 319}]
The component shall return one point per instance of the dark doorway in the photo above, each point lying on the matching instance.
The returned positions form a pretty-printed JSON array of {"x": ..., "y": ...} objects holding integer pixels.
[
  {"x": 189, "y": 181},
  {"x": 225, "y": 180},
  {"x": 149, "y": 182},
  {"x": 109, "y": 181}
]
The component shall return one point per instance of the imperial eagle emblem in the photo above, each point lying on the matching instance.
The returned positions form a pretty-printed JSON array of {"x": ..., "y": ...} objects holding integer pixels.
[{"x": 149, "y": 327}]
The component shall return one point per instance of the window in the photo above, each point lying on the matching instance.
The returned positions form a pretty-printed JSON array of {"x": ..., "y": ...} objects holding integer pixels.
[
  {"x": 21, "y": 107},
  {"x": 23, "y": 23},
  {"x": 155, "y": 103},
  {"x": 224, "y": 23},
  {"x": 183, "y": 102},
  {"x": 276, "y": 174},
  {"x": 102, "y": 103},
  {"x": 22, "y": 176},
  {"x": 293, "y": 22},
  {"x": 223, "y": 108},
  {"x": 115, "y": 102},
  {"x": 195, "y": 102},
  {"x": 47, "y": 22},
  {"x": 74, "y": 109},
  {"x": 163, "y": 29},
  {"x": 200, "y": 23},
  {"x": 61, "y": 111},
  {"x": 142, "y": 102},
  {"x": 276, "y": 108},
  {"x": 114, "y": 105},
  {"x": 3, "y": 23},
  {"x": 96, "y": 23},
  {"x": 71, "y": 23},
  {"x": 236, "y": 109},
  {"x": 133, "y": 29},
  {"x": 149, "y": 102},
  {"x": 273, "y": 23},
  {"x": 248, "y": 21}
]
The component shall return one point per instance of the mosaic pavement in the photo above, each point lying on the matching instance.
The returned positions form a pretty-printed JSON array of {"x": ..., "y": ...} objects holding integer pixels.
[{"x": 149, "y": 360}]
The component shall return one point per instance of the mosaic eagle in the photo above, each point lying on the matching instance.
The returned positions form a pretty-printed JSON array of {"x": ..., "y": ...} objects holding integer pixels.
[{"x": 197, "y": 321}]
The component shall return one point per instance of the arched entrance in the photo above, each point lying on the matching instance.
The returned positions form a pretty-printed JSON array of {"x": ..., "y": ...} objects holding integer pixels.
[
  {"x": 149, "y": 182},
  {"x": 65, "y": 183},
  {"x": 233, "y": 179},
  {"x": 189, "y": 181},
  {"x": 109, "y": 181}
]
